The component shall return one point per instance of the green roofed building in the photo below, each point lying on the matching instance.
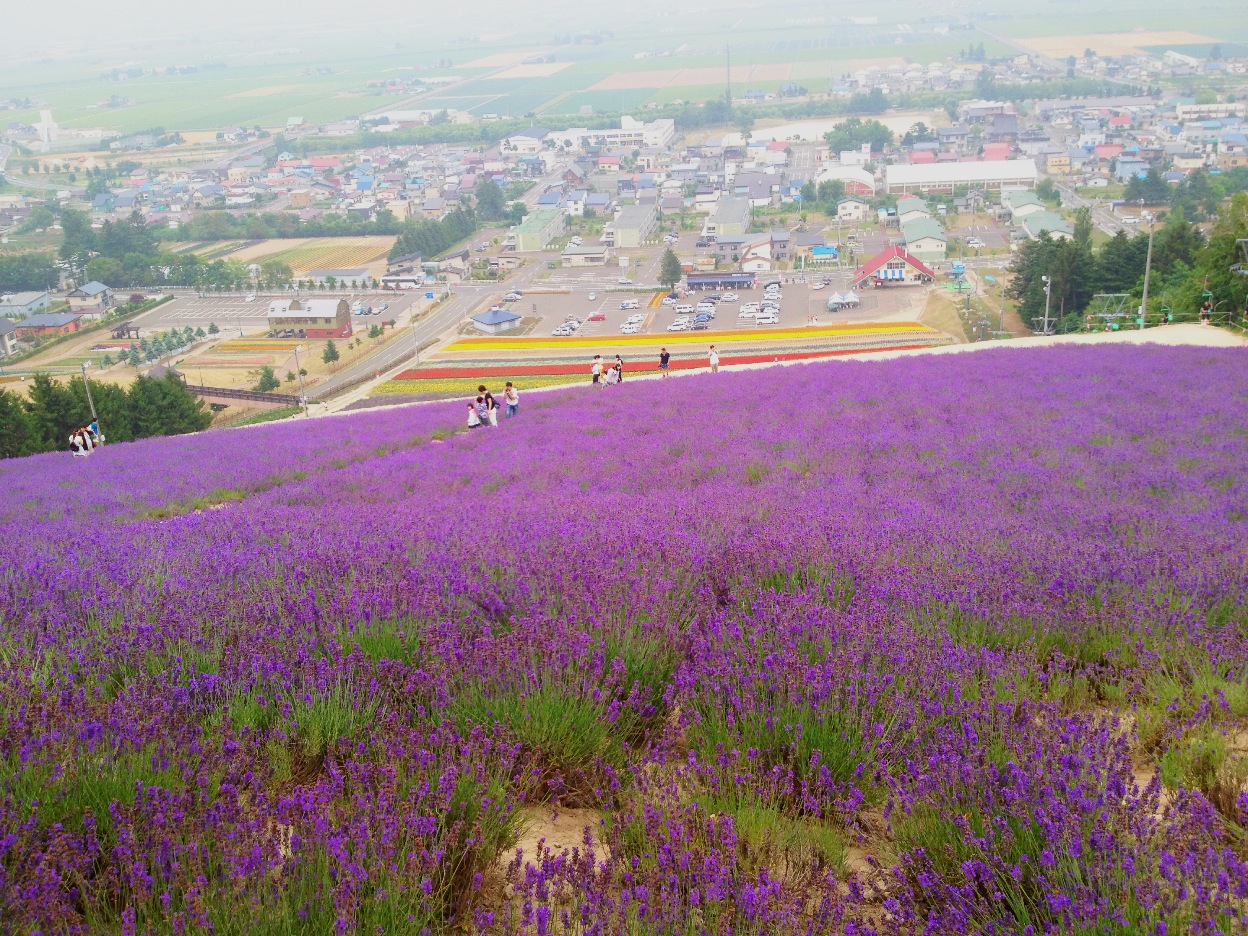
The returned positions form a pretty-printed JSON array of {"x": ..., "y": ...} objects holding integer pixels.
[
  {"x": 925, "y": 239},
  {"x": 537, "y": 230},
  {"x": 1039, "y": 223}
]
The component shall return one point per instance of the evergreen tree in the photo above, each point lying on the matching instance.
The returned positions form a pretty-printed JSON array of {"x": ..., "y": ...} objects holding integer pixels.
[
  {"x": 268, "y": 380},
  {"x": 17, "y": 436},
  {"x": 212, "y": 328},
  {"x": 669, "y": 269},
  {"x": 55, "y": 413},
  {"x": 330, "y": 354}
]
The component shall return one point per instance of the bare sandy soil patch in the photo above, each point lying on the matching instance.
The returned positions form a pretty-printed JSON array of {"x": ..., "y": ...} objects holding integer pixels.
[
  {"x": 535, "y": 70},
  {"x": 1128, "y": 43},
  {"x": 691, "y": 77},
  {"x": 266, "y": 91}
]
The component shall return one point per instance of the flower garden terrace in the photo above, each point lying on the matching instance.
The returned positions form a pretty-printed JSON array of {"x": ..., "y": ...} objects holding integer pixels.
[
  {"x": 841, "y": 647},
  {"x": 459, "y": 367}
]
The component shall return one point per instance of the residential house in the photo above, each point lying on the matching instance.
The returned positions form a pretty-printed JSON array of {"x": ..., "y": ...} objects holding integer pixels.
[
  {"x": 8, "y": 337},
  {"x": 1039, "y": 223},
  {"x": 22, "y": 304},
  {"x": 911, "y": 208},
  {"x": 925, "y": 239},
  {"x": 46, "y": 324},
  {"x": 1021, "y": 204},
  {"x": 91, "y": 297},
  {"x": 852, "y": 209},
  {"x": 585, "y": 255}
]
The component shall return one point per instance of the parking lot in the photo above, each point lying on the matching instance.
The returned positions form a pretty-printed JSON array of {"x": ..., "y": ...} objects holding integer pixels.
[
  {"x": 235, "y": 312},
  {"x": 801, "y": 304}
]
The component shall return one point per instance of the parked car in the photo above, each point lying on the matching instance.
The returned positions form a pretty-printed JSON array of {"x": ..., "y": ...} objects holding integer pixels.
[
  {"x": 596, "y": 317},
  {"x": 708, "y": 307},
  {"x": 630, "y": 328},
  {"x": 703, "y": 243},
  {"x": 251, "y": 298},
  {"x": 730, "y": 297},
  {"x": 358, "y": 310},
  {"x": 974, "y": 242},
  {"x": 678, "y": 327},
  {"x": 382, "y": 308},
  {"x": 630, "y": 304},
  {"x": 624, "y": 281},
  {"x": 747, "y": 312},
  {"x": 819, "y": 285},
  {"x": 670, "y": 300},
  {"x": 511, "y": 297},
  {"x": 638, "y": 317},
  {"x": 593, "y": 296},
  {"x": 767, "y": 318},
  {"x": 684, "y": 310},
  {"x": 714, "y": 297}
]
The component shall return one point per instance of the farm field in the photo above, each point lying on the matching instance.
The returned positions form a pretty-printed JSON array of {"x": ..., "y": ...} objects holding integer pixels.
[
  {"x": 946, "y": 644},
  {"x": 304, "y": 255}
]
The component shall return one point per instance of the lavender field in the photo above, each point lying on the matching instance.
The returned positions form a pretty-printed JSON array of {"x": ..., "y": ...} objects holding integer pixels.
[{"x": 938, "y": 645}]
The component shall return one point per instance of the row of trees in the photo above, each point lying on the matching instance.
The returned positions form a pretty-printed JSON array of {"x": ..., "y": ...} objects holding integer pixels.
[
  {"x": 1185, "y": 267},
  {"x": 1198, "y": 195},
  {"x": 32, "y": 270},
  {"x": 43, "y": 421}
]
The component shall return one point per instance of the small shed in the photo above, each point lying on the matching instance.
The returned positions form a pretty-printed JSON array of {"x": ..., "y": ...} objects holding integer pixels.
[{"x": 496, "y": 321}]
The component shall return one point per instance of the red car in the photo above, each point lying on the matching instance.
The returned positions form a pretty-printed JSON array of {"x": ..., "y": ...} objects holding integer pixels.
[{"x": 597, "y": 317}]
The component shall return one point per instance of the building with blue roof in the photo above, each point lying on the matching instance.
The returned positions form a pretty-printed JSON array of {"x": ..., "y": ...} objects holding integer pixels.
[{"x": 496, "y": 320}]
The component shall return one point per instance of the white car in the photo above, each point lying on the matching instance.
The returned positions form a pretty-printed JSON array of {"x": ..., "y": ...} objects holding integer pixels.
[
  {"x": 974, "y": 242},
  {"x": 593, "y": 296},
  {"x": 670, "y": 300},
  {"x": 684, "y": 310},
  {"x": 630, "y": 328},
  {"x": 678, "y": 326},
  {"x": 728, "y": 297},
  {"x": 635, "y": 319},
  {"x": 630, "y": 304},
  {"x": 624, "y": 281},
  {"x": 750, "y": 307},
  {"x": 818, "y": 285},
  {"x": 747, "y": 312}
]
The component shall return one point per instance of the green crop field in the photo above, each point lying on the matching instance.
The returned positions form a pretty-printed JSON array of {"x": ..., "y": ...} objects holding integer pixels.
[{"x": 326, "y": 78}]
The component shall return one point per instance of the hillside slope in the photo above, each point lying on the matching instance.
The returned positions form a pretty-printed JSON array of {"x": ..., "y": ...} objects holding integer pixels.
[{"x": 929, "y": 644}]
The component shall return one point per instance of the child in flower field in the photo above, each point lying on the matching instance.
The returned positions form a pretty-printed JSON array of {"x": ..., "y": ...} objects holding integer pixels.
[
  {"x": 613, "y": 376},
  {"x": 474, "y": 421},
  {"x": 483, "y": 411}
]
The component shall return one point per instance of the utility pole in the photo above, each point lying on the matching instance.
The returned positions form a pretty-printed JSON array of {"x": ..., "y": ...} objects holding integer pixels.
[
  {"x": 303, "y": 397},
  {"x": 728, "y": 75},
  {"x": 1048, "y": 295},
  {"x": 1148, "y": 269},
  {"x": 87, "y": 384}
]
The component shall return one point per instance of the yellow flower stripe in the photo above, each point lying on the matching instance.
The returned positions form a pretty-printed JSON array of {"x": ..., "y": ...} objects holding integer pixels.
[
  {"x": 467, "y": 386},
  {"x": 679, "y": 338}
]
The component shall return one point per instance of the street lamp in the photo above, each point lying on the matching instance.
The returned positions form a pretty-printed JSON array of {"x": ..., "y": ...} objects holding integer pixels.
[
  {"x": 1148, "y": 269},
  {"x": 1048, "y": 295},
  {"x": 303, "y": 397}
]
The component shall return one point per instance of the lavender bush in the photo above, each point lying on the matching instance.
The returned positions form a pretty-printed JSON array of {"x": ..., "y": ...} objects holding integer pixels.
[{"x": 935, "y": 645}]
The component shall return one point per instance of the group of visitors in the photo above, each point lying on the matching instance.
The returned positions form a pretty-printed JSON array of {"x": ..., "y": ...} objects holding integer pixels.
[
  {"x": 484, "y": 410},
  {"x": 84, "y": 441},
  {"x": 610, "y": 373}
]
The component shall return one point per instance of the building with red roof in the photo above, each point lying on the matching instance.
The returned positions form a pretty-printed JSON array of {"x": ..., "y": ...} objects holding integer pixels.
[{"x": 893, "y": 266}]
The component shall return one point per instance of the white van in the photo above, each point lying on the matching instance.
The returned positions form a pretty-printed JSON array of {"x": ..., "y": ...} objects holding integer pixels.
[
  {"x": 684, "y": 310},
  {"x": 630, "y": 304},
  {"x": 708, "y": 307}
]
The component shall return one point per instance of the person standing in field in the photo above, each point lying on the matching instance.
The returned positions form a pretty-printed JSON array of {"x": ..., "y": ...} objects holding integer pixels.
[
  {"x": 511, "y": 396},
  {"x": 619, "y": 369},
  {"x": 714, "y": 359},
  {"x": 491, "y": 406},
  {"x": 664, "y": 360},
  {"x": 595, "y": 372}
]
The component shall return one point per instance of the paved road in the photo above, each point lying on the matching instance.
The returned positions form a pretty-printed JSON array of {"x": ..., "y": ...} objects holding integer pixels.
[{"x": 1101, "y": 217}]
